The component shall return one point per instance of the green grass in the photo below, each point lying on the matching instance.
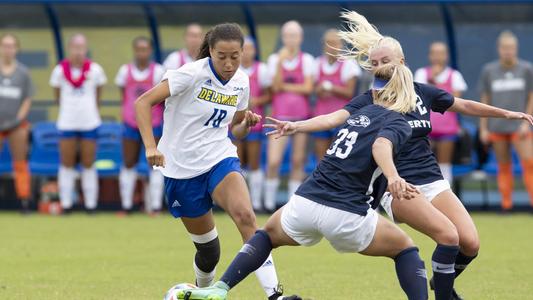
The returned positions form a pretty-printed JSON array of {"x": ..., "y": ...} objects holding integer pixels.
[{"x": 105, "y": 257}]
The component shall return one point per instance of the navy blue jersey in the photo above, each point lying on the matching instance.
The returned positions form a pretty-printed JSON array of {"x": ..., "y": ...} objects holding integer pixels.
[
  {"x": 343, "y": 179},
  {"x": 416, "y": 163}
]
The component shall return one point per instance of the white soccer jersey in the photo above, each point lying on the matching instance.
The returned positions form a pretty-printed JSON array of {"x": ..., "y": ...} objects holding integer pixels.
[
  {"x": 197, "y": 116},
  {"x": 78, "y": 108},
  {"x": 177, "y": 59},
  {"x": 265, "y": 80}
]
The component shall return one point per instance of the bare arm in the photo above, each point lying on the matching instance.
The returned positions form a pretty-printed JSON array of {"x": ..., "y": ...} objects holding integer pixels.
[
  {"x": 24, "y": 109},
  {"x": 319, "y": 123},
  {"x": 242, "y": 122},
  {"x": 277, "y": 81},
  {"x": 57, "y": 95},
  {"x": 99, "y": 95},
  {"x": 263, "y": 99},
  {"x": 305, "y": 88},
  {"x": 477, "y": 109},
  {"x": 143, "y": 113}
]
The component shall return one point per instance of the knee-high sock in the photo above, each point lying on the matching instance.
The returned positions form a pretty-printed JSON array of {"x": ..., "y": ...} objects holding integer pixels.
[
  {"x": 505, "y": 184},
  {"x": 271, "y": 191},
  {"x": 22, "y": 179},
  {"x": 527, "y": 166},
  {"x": 447, "y": 173},
  {"x": 255, "y": 181},
  {"x": 127, "y": 179},
  {"x": 66, "y": 178},
  {"x": 293, "y": 186},
  {"x": 461, "y": 262},
  {"x": 251, "y": 257},
  {"x": 155, "y": 184},
  {"x": 412, "y": 274},
  {"x": 266, "y": 274},
  {"x": 443, "y": 263},
  {"x": 89, "y": 185},
  {"x": 206, "y": 258}
]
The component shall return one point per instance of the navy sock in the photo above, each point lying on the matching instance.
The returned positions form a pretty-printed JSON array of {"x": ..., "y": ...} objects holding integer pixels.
[
  {"x": 412, "y": 274},
  {"x": 251, "y": 256},
  {"x": 443, "y": 262},
  {"x": 461, "y": 262}
]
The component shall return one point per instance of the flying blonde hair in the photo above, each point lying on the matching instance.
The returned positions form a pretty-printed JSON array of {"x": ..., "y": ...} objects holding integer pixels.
[
  {"x": 363, "y": 38},
  {"x": 399, "y": 92}
]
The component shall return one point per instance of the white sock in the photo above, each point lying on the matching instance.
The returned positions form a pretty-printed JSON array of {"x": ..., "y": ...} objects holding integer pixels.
[
  {"x": 271, "y": 191},
  {"x": 89, "y": 185},
  {"x": 255, "y": 181},
  {"x": 66, "y": 178},
  {"x": 447, "y": 173},
  {"x": 204, "y": 279},
  {"x": 267, "y": 276},
  {"x": 293, "y": 186},
  {"x": 156, "y": 185},
  {"x": 127, "y": 179}
]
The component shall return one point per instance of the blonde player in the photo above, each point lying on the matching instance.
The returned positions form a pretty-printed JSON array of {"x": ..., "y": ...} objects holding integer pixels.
[
  {"x": 193, "y": 40},
  {"x": 77, "y": 83},
  {"x": 196, "y": 156},
  {"x": 134, "y": 79}
]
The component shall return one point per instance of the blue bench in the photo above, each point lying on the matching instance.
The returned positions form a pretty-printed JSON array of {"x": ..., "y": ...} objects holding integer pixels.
[{"x": 5, "y": 159}]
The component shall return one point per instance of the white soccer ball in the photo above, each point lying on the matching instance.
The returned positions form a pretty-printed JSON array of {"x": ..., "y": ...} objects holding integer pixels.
[{"x": 171, "y": 294}]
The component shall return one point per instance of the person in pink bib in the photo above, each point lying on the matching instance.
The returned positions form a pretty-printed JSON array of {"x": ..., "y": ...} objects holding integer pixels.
[
  {"x": 134, "y": 79},
  {"x": 445, "y": 126},
  {"x": 292, "y": 73},
  {"x": 77, "y": 83},
  {"x": 192, "y": 38},
  {"x": 249, "y": 149},
  {"x": 334, "y": 86}
]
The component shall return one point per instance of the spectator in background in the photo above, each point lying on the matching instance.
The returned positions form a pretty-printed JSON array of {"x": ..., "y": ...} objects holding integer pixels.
[
  {"x": 249, "y": 149},
  {"x": 334, "y": 85},
  {"x": 193, "y": 38},
  {"x": 445, "y": 127},
  {"x": 508, "y": 83},
  {"x": 77, "y": 83},
  {"x": 133, "y": 79},
  {"x": 16, "y": 90},
  {"x": 292, "y": 83}
]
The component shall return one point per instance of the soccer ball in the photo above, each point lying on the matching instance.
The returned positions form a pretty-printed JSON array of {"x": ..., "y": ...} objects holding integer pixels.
[{"x": 171, "y": 294}]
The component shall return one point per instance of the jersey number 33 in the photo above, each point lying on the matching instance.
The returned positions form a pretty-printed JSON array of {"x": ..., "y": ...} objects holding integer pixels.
[{"x": 340, "y": 149}]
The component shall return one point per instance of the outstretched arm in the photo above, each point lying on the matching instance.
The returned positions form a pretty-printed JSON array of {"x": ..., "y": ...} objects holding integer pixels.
[
  {"x": 477, "y": 109},
  {"x": 319, "y": 123}
]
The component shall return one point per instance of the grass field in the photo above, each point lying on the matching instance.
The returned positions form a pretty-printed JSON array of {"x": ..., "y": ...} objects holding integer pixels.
[{"x": 106, "y": 257}]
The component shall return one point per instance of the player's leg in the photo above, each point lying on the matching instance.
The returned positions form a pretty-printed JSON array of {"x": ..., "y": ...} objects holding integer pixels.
[
  {"x": 255, "y": 174},
  {"x": 156, "y": 185},
  {"x": 445, "y": 148},
  {"x": 502, "y": 149},
  {"x": 128, "y": 175},
  {"x": 18, "y": 144},
  {"x": 298, "y": 158},
  {"x": 276, "y": 149},
  {"x": 66, "y": 177},
  {"x": 390, "y": 241},
  {"x": 89, "y": 175},
  {"x": 524, "y": 148},
  {"x": 423, "y": 217}
]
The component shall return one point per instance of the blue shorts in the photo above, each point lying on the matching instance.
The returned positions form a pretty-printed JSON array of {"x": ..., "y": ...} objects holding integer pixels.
[
  {"x": 132, "y": 133},
  {"x": 191, "y": 197},
  {"x": 81, "y": 134},
  {"x": 326, "y": 134},
  {"x": 445, "y": 138},
  {"x": 254, "y": 136}
]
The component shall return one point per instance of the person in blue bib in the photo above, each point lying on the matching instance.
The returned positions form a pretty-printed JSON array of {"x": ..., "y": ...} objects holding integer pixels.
[{"x": 334, "y": 201}]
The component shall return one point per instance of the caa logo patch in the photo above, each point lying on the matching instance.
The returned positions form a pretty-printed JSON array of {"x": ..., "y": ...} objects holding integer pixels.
[
  {"x": 359, "y": 121},
  {"x": 236, "y": 88}
]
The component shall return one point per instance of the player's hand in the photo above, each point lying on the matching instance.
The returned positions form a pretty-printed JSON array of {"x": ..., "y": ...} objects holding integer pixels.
[
  {"x": 524, "y": 130},
  {"x": 251, "y": 119},
  {"x": 155, "y": 158},
  {"x": 281, "y": 128},
  {"x": 400, "y": 189},
  {"x": 484, "y": 136},
  {"x": 515, "y": 115}
]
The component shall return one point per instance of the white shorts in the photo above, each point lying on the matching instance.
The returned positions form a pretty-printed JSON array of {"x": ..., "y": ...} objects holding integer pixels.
[
  {"x": 430, "y": 191},
  {"x": 306, "y": 222}
]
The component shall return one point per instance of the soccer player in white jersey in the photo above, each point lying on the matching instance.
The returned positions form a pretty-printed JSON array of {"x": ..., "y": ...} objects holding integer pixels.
[
  {"x": 77, "y": 83},
  {"x": 193, "y": 40},
  {"x": 196, "y": 156}
]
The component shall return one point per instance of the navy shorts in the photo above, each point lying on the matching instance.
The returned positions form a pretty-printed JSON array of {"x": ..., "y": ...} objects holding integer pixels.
[
  {"x": 132, "y": 133},
  {"x": 191, "y": 197},
  {"x": 81, "y": 134}
]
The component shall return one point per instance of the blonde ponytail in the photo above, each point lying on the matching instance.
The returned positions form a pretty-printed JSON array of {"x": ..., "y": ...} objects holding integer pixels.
[
  {"x": 399, "y": 92},
  {"x": 363, "y": 37}
]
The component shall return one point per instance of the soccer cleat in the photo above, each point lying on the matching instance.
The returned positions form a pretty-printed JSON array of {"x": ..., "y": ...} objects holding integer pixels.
[
  {"x": 278, "y": 295},
  {"x": 455, "y": 296},
  {"x": 218, "y": 291}
]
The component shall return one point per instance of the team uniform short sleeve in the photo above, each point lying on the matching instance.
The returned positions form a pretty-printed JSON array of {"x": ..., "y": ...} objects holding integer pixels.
[
  {"x": 397, "y": 131},
  {"x": 440, "y": 99},
  {"x": 55, "y": 78},
  {"x": 172, "y": 60},
  {"x": 179, "y": 80},
  {"x": 458, "y": 82},
  {"x": 100, "y": 77},
  {"x": 308, "y": 65},
  {"x": 120, "y": 78},
  {"x": 359, "y": 102},
  {"x": 529, "y": 79},
  {"x": 159, "y": 72},
  {"x": 243, "y": 104},
  {"x": 29, "y": 88},
  {"x": 265, "y": 80},
  {"x": 420, "y": 76},
  {"x": 350, "y": 70},
  {"x": 484, "y": 81}
]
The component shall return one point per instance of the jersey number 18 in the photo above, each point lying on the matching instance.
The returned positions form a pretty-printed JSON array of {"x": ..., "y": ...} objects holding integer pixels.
[
  {"x": 349, "y": 138},
  {"x": 217, "y": 117}
]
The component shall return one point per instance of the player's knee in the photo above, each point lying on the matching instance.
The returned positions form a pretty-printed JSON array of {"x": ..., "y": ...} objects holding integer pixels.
[
  {"x": 470, "y": 245},
  {"x": 447, "y": 236},
  {"x": 273, "y": 166},
  {"x": 244, "y": 218},
  {"x": 207, "y": 251}
]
